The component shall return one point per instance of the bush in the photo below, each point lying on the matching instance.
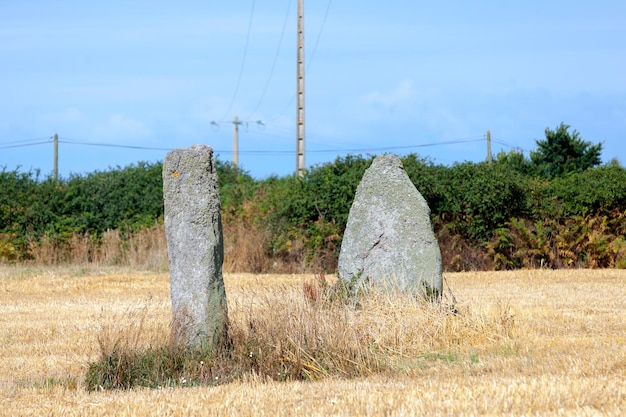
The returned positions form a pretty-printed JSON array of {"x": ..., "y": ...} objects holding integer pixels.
[
  {"x": 236, "y": 187},
  {"x": 590, "y": 241},
  {"x": 598, "y": 190},
  {"x": 307, "y": 215},
  {"x": 481, "y": 212},
  {"x": 130, "y": 197},
  {"x": 479, "y": 198}
]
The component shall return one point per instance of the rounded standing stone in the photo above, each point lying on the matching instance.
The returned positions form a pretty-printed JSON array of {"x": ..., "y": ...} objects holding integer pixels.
[{"x": 389, "y": 238}]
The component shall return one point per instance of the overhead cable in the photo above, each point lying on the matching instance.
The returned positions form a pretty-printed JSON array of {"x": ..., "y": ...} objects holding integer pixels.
[
  {"x": 243, "y": 62},
  {"x": 386, "y": 148},
  {"x": 261, "y": 152},
  {"x": 23, "y": 145},
  {"x": 500, "y": 142},
  {"x": 11, "y": 142},
  {"x": 269, "y": 78},
  {"x": 112, "y": 145},
  {"x": 319, "y": 35}
]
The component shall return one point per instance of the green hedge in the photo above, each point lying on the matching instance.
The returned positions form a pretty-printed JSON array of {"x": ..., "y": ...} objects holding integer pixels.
[{"x": 474, "y": 201}]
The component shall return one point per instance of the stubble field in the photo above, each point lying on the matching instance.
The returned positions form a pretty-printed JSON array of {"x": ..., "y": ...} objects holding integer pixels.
[{"x": 552, "y": 343}]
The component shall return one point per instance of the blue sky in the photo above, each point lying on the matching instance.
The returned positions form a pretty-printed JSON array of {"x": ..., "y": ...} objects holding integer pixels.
[{"x": 399, "y": 76}]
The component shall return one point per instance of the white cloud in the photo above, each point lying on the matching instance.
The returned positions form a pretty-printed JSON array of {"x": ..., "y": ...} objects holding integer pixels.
[
  {"x": 70, "y": 115},
  {"x": 119, "y": 125},
  {"x": 402, "y": 92}
]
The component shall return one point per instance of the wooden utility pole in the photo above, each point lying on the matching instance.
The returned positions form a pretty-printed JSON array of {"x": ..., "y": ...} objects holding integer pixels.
[
  {"x": 56, "y": 158},
  {"x": 236, "y": 124},
  {"x": 300, "y": 164},
  {"x": 489, "y": 147}
]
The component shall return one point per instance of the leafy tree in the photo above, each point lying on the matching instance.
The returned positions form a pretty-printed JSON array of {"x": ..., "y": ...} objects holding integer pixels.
[
  {"x": 614, "y": 162},
  {"x": 515, "y": 160},
  {"x": 562, "y": 153}
]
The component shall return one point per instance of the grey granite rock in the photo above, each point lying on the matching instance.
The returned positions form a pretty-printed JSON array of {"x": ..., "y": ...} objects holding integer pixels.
[
  {"x": 193, "y": 228},
  {"x": 389, "y": 239}
]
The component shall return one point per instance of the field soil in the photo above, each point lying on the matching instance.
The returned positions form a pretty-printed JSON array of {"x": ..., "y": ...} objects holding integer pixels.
[{"x": 564, "y": 352}]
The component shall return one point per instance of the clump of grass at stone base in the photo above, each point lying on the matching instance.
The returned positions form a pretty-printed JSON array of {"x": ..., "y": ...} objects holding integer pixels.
[
  {"x": 302, "y": 333},
  {"x": 341, "y": 291}
]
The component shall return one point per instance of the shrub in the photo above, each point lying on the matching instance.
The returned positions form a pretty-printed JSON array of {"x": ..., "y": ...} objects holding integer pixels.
[
  {"x": 591, "y": 241},
  {"x": 599, "y": 190},
  {"x": 309, "y": 214},
  {"x": 483, "y": 213},
  {"x": 479, "y": 198}
]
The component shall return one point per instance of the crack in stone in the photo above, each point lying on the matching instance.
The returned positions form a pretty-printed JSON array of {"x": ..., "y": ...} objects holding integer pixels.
[{"x": 377, "y": 241}]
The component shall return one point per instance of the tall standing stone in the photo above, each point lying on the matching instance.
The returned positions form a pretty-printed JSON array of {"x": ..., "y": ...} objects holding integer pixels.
[
  {"x": 389, "y": 238},
  {"x": 193, "y": 228}
]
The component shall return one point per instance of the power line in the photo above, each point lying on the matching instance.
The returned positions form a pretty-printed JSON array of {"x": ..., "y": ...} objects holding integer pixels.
[
  {"x": 319, "y": 35},
  {"x": 251, "y": 152},
  {"x": 390, "y": 148},
  {"x": 503, "y": 143},
  {"x": 23, "y": 145},
  {"x": 243, "y": 62},
  {"x": 112, "y": 145},
  {"x": 269, "y": 78},
  {"x": 386, "y": 148},
  {"x": 25, "y": 140},
  {"x": 500, "y": 142}
]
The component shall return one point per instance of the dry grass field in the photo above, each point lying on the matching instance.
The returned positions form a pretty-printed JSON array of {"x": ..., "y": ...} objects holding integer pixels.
[{"x": 524, "y": 343}]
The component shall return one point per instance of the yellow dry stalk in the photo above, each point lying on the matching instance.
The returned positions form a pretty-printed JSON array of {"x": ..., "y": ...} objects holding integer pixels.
[{"x": 523, "y": 343}]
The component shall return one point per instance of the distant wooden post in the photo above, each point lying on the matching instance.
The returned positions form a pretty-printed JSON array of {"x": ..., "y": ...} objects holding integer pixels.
[
  {"x": 56, "y": 158},
  {"x": 489, "y": 158}
]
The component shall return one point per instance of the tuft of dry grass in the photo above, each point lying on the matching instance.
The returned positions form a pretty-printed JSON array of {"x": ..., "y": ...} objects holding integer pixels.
[
  {"x": 522, "y": 343},
  {"x": 286, "y": 335},
  {"x": 145, "y": 249},
  {"x": 245, "y": 248}
]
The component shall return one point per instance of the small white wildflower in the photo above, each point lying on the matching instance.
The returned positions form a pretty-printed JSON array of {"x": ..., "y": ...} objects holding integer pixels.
[
  {"x": 217, "y": 377},
  {"x": 251, "y": 354},
  {"x": 183, "y": 380},
  {"x": 201, "y": 363}
]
